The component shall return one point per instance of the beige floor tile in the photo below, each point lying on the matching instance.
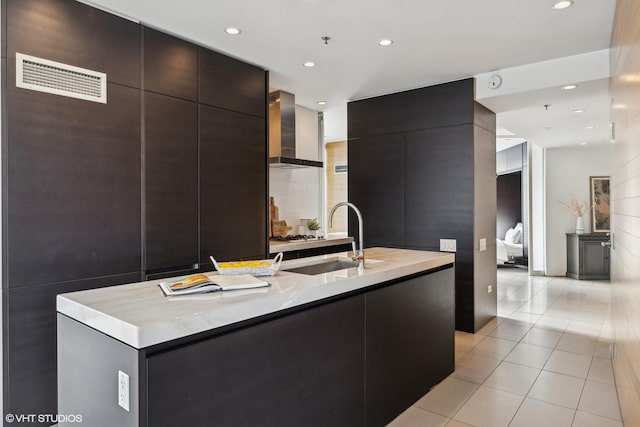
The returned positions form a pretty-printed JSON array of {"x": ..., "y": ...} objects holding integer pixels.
[
  {"x": 475, "y": 368},
  {"x": 553, "y": 323},
  {"x": 516, "y": 379},
  {"x": 529, "y": 355},
  {"x": 585, "y": 419},
  {"x": 600, "y": 399},
  {"x": 511, "y": 330},
  {"x": 542, "y": 336},
  {"x": 489, "y": 407},
  {"x": 456, "y": 423},
  {"x": 603, "y": 349},
  {"x": 495, "y": 348},
  {"x": 577, "y": 344},
  {"x": 534, "y": 413},
  {"x": 416, "y": 417},
  {"x": 564, "y": 362},
  {"x": 447, "y": 397},
  {"x": 467, "y": 339},
  {"x": 601, "y": 371},
  {"x": 585, "y": 328},
  {"x": 529, "y": 318},
  {"x": 557, "y": 389}
]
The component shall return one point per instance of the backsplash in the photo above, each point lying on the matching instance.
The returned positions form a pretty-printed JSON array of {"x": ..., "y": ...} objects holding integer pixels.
[{"x": 297, "y": 194}]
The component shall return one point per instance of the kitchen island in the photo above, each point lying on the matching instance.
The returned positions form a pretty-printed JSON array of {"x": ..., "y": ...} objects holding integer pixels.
[{"x": 346, "y": 347}]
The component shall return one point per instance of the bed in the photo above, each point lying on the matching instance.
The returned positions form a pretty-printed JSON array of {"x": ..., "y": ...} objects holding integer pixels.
[{"x": 510, "y": 246}]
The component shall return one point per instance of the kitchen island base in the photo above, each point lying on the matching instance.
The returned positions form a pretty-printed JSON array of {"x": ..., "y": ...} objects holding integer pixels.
[{"x": 357, "y": 359}]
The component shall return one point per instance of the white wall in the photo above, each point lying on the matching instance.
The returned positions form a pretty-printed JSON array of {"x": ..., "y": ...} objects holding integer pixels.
[
  {"x": 567, "y": 172},
  {"x": 536, "y": 237}
]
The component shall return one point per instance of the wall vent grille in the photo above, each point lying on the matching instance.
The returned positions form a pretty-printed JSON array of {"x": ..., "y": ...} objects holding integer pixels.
[{"x": 60, "y": 79}]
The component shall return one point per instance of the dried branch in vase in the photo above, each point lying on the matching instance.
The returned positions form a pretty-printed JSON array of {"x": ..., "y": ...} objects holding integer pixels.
[{"x": 576, "y": 207}]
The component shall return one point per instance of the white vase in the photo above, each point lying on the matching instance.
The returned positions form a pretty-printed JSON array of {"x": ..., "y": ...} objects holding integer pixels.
[{"x": 579, "y": 225}]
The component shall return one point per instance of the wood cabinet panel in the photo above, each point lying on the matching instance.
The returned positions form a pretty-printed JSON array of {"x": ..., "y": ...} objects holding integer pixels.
[
  {"x": 76, "y": 34},
  {"x": 376, "y": 187},
  {"x": 409, "y": 343},
  {"x": 302, "y": 369},
  {"x": 29, "y": 334},
  {"x": 231, "y": 84},
  {"x": 438, "y": 184},
  {"x": 170, "y": 65},
  {"x": 73, "y": 186},
  {"x": 430, "y": 107},
  {"x": 233, "y": 185},
  {"x": 171, "y": 180},
  {"x": 587, "y": 259}
]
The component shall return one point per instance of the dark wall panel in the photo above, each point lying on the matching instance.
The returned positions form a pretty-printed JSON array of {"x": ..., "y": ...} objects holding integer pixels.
[
  {"x": 376, "y": 187},
  {"x": 439, "y": 187},
  {"x": 171, "y": 181},
  {"x": 231, "y": 84},
  {"x": 73, "y": 186},
  {"x": 75, "y": 34},
  {"x": 170, "y": 65},
  {"x": 29, "y": 333},
  {"x": 434, "y": 106},
  {"x": 233, "y": 185}
]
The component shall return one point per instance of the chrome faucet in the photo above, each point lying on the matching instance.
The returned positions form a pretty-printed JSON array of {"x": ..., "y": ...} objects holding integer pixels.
[{"x": 357, "y": 255}]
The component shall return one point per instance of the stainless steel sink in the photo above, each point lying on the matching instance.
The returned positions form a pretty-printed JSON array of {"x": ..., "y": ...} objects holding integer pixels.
[{"x": 327, "y": 266}]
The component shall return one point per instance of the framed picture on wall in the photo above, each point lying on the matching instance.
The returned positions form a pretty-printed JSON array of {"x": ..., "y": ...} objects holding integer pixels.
[{"x": 600, "y": 207}]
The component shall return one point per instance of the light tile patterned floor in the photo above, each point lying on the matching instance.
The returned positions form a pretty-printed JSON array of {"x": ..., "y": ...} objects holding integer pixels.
[{"x": 544, "y": 361}]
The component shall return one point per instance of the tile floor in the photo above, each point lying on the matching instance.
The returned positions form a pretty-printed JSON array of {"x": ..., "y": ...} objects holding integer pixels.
[{"x": 544, "y": 361}]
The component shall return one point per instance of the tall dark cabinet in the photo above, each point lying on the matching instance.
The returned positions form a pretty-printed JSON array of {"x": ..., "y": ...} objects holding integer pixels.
[
  {"x": 421, "y": 169},
  {"x": 103, "y": 194}
]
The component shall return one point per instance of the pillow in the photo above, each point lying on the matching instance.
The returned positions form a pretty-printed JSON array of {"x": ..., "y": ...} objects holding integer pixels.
[{"x": 513, "y": 236}]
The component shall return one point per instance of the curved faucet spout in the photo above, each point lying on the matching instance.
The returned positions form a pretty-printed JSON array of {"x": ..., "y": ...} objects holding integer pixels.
[{"x": 359, "y": 256}]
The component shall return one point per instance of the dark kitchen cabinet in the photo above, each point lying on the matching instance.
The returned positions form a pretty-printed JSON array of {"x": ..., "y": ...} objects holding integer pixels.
[
  {"x": 29, "y": 338},
  {"x": 301, "y": 369},
  {"x": 233, "y": 185},
  {"x": 376, "y": 168},
  {"x": 409, "y": 343},
  {"x": 73, "y": 188},
  {"x": 587, "y": 259},
  {"x": 438, "y": 185},
  {"x": 171, "y": 181},
  {"x": 76, "y": 34},
  {"x": 231, "y": 84},
  {"x": 170, "y": 65}
]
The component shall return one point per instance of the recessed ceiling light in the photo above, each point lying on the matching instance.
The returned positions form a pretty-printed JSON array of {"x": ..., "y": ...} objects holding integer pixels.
[
  {"x": 232, "y": 31},
  {"x": 579, "y": 110},
  {"x": 548, "y": 128},
  {"x": 322, "y": 102},
  {"x": 385, "y": 42},
  {"x": 569, "y": 87},
  {"x": 583, "y": 143},
  {"x": 309, "y": 64},
  {"x": 589, "y": 127},
  {"x": 562, "y": 4}
]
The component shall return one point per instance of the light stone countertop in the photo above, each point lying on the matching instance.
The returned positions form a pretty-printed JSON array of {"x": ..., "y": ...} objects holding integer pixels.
[
  {"x": 139, "y": 314},
  {"x": 298, "y": 245}
]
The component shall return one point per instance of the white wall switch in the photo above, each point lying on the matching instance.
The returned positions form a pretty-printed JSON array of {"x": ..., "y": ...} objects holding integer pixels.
[
  {"x": 448, "y": 245},
  {"x": 123, "y": 390},
  {"x": 490, "y": 289},
  {"x": 483, "y": 245}
]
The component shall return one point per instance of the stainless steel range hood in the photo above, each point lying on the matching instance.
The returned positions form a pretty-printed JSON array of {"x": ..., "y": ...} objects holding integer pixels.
[{"x": 282, "y": 133}]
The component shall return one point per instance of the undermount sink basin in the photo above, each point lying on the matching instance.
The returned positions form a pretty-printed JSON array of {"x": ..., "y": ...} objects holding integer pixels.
[{"x": 327, "y": 266}]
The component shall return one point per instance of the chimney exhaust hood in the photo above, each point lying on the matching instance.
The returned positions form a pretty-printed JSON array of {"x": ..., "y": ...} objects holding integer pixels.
[{"x": 282, "y": 133}]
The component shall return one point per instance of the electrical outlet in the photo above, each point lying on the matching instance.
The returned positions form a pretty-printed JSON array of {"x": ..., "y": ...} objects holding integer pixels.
[
  {"x": 483, "y": 245},
  {"x": 448, "y": 245},
  {"x": 123, "y": 390},
  {"x": 489, "y": 288}
]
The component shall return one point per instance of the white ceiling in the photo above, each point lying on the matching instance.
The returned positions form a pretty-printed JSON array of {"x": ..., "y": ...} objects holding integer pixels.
[{"x": 434, "y": 42}]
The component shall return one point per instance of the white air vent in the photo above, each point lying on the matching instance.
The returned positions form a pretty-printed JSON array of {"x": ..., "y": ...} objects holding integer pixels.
[{"x": 60, "y": 79}]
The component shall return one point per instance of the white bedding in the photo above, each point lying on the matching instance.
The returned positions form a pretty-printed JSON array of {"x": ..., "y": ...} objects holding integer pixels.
[{"x": 504, "y": 250}]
